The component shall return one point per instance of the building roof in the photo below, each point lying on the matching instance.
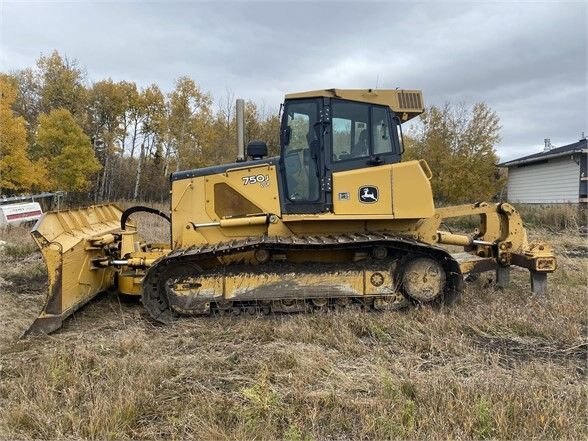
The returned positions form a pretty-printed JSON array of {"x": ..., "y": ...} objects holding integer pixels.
[{"x": 576, "y": 147}]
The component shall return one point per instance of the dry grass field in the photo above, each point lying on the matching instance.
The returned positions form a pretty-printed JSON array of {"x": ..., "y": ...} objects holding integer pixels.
[{"x": 498, "y": 364}]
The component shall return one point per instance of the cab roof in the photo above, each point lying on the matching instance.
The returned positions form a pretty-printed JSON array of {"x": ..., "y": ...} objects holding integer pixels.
[{"x": 407, "y": 104}]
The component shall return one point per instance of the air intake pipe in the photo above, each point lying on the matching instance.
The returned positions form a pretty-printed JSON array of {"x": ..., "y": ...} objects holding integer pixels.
[{"x": 240, "y": 130}]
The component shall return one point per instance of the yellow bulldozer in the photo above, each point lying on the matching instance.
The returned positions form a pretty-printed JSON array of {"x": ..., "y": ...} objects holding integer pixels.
[{"x": 337, "y": 220}]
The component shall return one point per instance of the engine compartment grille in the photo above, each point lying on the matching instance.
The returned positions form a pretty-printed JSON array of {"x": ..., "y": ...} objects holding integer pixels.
[{"x": 410, "y": 100}]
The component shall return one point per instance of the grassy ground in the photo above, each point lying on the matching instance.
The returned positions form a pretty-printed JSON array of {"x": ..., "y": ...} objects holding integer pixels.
[{"x": 498, "y": 364}]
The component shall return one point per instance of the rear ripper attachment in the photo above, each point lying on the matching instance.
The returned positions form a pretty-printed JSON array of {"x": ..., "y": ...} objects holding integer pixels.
[{"x": 499, "y": 243}]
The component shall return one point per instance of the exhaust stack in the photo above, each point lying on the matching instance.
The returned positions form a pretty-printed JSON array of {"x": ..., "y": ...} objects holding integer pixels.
[{"x": 240, "y": 130}]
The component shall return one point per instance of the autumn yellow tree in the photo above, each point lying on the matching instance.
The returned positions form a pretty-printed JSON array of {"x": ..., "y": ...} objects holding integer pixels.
[
  {"x": 71, "y": 162},
  {"x": 105, "y": 112},
  {"x": 153, "y": 122},
  {"x": 459, "y": 143},
  {"x": 17, "y": 172},
  {"x": 189, "y": 123},
  {"x": 262, "y": 125},
  {"x": 137, "y": 135},
  {"x": 61, "y": 84}
]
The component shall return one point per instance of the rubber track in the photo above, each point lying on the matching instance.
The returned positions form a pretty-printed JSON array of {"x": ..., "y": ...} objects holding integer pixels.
[{"x": 157, "y": 304}]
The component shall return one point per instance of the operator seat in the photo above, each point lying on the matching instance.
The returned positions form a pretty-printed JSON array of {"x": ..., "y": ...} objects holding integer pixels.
[{"x": 361, "y": 146}]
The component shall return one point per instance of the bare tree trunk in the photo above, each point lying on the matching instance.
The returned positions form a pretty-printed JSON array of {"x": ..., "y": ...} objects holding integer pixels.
[
  {"x": 134, "y": 138},
  {"x": 133, "y": 145},
  {"x": 150, "y": 145},
  {"x": 139, "y": 170},
  {"x": 105, "y": 175},
  {"x": 230, "y": 102},
  {"x": 123, "y": 140},
  {"x": 180, "y": 145},
  {"x": 97, "y": 188},
  {"x": 110, "y": 184},
  {"x": 166, "y": 158}
]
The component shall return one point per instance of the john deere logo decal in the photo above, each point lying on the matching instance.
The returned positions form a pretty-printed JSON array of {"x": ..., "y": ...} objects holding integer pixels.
[{"x": 368, "y": 194}]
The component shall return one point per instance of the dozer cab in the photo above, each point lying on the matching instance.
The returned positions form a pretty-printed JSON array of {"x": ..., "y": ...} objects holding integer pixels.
[{"x": 337, "y": 220}]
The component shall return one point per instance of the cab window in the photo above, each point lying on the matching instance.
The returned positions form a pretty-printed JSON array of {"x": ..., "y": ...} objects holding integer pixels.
[
  {"x": 381, "y": 139},
  {"x": 350, "y": 130}
]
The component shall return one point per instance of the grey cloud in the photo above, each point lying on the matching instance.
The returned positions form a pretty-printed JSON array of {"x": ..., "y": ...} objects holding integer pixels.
[{"x": 526, "y": 60}]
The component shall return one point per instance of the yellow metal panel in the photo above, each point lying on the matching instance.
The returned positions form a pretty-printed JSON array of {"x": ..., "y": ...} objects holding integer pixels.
[
  {"x": 412, "y": 197},
  {"x": 379, "y": 282},
  {"x": 256, "y": 183},
  {"x": 268, "y": 286},
  {"x": 193, "y": 203},
  {"x": 406, "y": 103},
  {"x": 271, "y": 286},
  {"x": 326, "y": 225},
  {"x": 210, "y": 287},
  {"x": 404, "y": 191},
  {"x": 347, "y": 186},
  {"x": 130, "y": 284},
  {"x": 187, "y": 206}
]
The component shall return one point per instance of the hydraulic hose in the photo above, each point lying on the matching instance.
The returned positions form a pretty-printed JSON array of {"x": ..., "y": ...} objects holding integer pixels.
[{"x": 139, "y": 208}]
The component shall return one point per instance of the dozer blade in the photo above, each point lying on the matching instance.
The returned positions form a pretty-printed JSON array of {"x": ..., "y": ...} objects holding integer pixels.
[{"x": 64, "y": 240}]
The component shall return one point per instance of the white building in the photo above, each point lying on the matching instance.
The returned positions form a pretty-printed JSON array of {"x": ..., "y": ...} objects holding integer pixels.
[{"x": 555, "y": 175}]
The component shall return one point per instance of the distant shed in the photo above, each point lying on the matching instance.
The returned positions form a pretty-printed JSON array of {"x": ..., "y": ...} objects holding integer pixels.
[{"x": 555, "y": 175}]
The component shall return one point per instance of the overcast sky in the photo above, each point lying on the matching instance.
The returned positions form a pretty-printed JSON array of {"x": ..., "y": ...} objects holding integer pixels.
[{"x": 527, "y": 60}]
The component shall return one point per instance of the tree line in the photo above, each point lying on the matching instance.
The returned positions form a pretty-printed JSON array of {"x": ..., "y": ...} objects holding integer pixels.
[
  {"x": 458, "y": 142},
  {"x": 114, "y": 140}
]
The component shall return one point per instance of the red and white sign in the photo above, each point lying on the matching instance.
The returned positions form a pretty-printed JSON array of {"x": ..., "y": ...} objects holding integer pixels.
[{"x": 15, "y": 214}]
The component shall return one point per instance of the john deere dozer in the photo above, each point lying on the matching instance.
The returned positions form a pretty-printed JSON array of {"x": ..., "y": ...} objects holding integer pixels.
[{"x": 337, "y": 220}]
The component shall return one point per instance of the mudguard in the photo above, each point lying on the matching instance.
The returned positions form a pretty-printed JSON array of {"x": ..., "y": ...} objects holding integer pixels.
[{"x": 64, "y": 238}]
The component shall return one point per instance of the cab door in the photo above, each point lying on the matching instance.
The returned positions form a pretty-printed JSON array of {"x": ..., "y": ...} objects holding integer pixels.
[{"x": 302, "y": 164}]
